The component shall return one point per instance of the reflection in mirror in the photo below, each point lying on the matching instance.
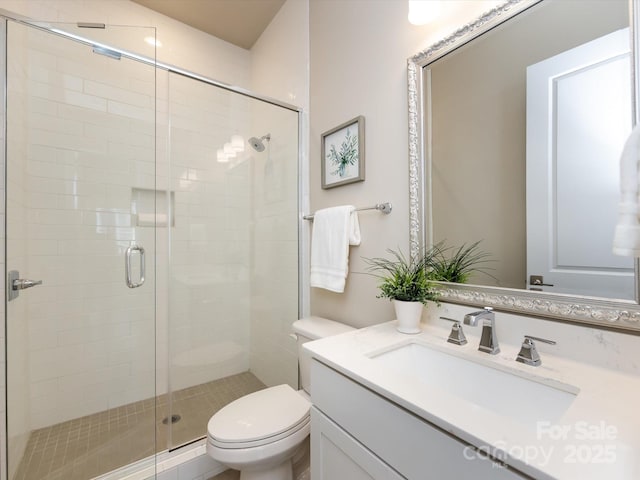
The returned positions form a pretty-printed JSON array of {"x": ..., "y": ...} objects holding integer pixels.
[
  {"x": 525, "y": 116},
  {"x": 578, "y": 118}
]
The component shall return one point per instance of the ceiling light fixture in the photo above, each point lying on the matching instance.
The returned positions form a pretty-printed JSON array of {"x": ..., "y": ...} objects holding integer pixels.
[{"x": 422, "y": 12}]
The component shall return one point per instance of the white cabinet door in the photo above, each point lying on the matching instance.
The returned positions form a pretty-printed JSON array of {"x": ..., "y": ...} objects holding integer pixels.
[{"x": 337, "y": 455}]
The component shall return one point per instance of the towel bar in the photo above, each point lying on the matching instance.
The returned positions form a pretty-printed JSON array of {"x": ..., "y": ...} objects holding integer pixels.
[{"x": 383, "y": 207}]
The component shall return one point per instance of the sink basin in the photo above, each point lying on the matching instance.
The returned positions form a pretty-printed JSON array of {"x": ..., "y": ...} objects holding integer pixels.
[{"x": 522, "y": 399}]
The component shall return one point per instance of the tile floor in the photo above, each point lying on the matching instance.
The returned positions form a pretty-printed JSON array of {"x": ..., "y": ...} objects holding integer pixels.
[{"x": 86, "y": 447}]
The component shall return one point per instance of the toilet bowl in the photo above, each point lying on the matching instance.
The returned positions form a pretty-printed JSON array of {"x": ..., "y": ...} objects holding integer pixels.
[{"x": 260, "y": 433}]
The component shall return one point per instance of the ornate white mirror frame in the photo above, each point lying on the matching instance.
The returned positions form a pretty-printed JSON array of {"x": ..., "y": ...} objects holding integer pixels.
[{"x": 617, "y": 314}]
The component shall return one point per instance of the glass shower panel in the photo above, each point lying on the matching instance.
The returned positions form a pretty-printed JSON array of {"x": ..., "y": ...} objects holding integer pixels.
[
  {"x": 233, "y": 254},
  {"x": 80, "y": 165}
]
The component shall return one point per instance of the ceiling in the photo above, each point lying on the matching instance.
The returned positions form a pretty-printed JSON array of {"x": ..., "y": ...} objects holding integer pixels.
[{"x": 240, "y": 22}]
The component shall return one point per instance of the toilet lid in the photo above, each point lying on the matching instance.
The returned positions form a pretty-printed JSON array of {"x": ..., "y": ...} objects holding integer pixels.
[{"x": 259, "y": 415}]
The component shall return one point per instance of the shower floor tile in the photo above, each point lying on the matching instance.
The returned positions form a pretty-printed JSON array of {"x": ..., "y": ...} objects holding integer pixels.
[{"x": 90, "y": 446}]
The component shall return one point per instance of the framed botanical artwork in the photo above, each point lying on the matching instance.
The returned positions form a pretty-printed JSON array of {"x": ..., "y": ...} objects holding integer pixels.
[{"x": 343, "y": 154}]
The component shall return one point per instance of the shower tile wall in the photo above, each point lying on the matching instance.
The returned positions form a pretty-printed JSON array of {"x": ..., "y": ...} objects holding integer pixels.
[
  {"x": 91, "y": 346},
  {"x": 274, "y": 277},
  {"x": 233, "y": 251},
  {"x": 91, "y": 124},
  {"x": 209, "y": 247},
  {"x": 279, "y": 69}
]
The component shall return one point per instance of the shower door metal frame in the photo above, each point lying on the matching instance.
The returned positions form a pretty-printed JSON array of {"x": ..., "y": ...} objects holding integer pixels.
[{"x": 4, "y": 436}]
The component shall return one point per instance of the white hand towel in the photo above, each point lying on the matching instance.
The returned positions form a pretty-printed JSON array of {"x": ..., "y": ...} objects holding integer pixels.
[
  {"x": 626, "y": 240},
  {"x": 334, "y": 229}
]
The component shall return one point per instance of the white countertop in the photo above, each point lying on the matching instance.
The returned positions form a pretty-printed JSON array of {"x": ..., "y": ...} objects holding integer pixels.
[{"x": 597, "y": 437}]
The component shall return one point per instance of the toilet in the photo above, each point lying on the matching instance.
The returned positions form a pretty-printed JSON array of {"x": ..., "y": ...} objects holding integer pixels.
[{"x": 260, "y": 433}]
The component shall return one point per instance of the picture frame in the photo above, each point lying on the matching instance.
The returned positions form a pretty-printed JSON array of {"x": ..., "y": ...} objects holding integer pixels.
[{"x": 342, "y": 156}]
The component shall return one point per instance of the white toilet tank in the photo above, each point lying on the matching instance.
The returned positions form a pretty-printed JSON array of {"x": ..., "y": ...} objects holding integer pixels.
[{"x": 313, "y": 328}]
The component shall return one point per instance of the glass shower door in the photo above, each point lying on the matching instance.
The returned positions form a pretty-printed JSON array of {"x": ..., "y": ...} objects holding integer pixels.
[
  {"x": 80, "y": 218},
  {"x": 232, "y": 252}
]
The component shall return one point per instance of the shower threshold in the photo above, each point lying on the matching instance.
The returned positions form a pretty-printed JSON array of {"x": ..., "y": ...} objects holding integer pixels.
[{"x": 91, "y": 446}]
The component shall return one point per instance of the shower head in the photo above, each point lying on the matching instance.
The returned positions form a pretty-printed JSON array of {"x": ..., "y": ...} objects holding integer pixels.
[{"x": 257, "y": 143}]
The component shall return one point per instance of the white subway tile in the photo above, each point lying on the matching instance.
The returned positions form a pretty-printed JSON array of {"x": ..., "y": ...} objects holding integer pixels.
[
  {"x": 44, "y": 338},
  {"x": 107, "y": 219},
  {"x": 117, "y": 134},
  {"x": 69, "y": 142},
  {"x": 130, "y": 111},
  {"x": 55, "y": 217},
  {"x": 51, "y": 123},
  {"x": 123, "y": 95}
]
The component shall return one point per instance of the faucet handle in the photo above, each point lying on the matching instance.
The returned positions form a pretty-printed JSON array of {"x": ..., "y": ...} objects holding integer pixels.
[
  {"x": 538, "y": 339},
  {"x": 457, "y": 335},
  {"x": 529, "y": 353}
]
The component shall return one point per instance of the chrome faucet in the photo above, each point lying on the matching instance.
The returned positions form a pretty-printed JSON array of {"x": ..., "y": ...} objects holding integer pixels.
[{"x": 488, "y": 339}]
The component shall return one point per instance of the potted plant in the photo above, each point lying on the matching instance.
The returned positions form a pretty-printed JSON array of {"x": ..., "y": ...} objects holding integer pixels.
[
  {"x": 451, "y": 264},
  {"x": 407, "y": 283}
]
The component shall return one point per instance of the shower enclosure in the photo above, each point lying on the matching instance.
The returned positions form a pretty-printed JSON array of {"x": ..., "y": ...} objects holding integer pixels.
[{"x": 166, "y": 242}]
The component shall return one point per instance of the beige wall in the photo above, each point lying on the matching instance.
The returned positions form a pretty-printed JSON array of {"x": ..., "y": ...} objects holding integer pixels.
[{"x": 358, "y": 67}]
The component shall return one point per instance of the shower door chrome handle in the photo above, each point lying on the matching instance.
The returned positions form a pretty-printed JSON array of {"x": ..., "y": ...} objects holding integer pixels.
[
  {"x": 22, "y": 283},
  {"x": 127, "y": 266},
  {"x": 15, "y": 284}
]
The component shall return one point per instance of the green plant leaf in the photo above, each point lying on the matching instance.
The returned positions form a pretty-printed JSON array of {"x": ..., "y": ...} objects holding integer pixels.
[
  {"x": 413, "y": 279},
  {"x": 402, "y": 278},
  {"x": 456, "y": 264}
]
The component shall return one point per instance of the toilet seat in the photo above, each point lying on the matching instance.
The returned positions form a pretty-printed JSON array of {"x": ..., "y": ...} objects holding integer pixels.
[
  {"x": 262, "y": 456},
  {"x": 260, "y": 418}
]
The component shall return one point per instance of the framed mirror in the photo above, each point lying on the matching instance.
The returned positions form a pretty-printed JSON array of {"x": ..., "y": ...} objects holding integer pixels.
[{"x": 516, "y": 126}]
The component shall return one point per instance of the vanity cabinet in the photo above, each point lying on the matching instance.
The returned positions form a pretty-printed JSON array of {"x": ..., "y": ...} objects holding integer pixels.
[
  {"x": 358, "y": 434},
  {"x": 337, "y": 455}
]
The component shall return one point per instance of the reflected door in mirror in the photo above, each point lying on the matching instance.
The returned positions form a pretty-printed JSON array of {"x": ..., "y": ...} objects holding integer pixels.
[{"x": 578, "y": 117}]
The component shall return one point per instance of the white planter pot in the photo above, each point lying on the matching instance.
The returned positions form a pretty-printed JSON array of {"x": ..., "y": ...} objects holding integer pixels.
[{"x": 408, "y": 315}]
